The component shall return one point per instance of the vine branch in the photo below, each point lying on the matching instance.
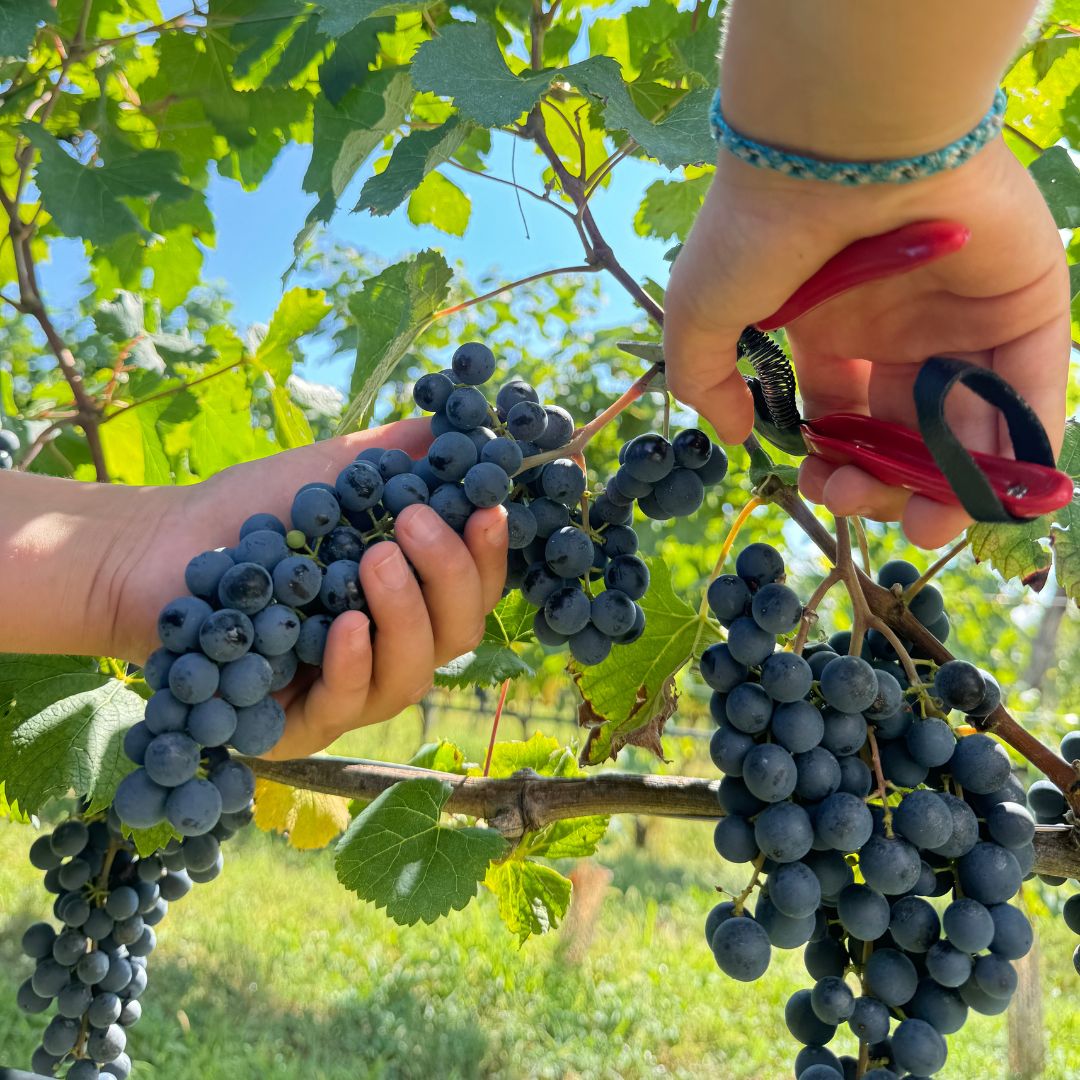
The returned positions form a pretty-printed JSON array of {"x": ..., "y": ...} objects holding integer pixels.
[{"x": 526, "y": 801}]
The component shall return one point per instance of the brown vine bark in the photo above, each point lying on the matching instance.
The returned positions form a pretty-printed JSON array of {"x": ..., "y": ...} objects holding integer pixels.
[{"x": 527, "y": 801}]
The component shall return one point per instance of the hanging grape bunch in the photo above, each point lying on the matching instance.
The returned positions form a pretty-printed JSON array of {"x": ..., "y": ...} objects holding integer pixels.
[
  {"x": 836, "y": 764},
  {"x": 258, "y": 610}
]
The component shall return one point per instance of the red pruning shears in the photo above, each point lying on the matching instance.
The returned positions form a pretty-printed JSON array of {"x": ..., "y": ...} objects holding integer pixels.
[{"x": 931, "y": 462}]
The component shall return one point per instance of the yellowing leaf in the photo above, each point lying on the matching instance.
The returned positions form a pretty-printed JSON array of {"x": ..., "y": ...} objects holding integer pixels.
[{"x": 309, "y": 819}]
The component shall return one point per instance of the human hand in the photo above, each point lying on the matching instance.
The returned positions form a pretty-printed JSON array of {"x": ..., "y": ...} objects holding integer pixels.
[
  {"x": 1001, "y": 302},
  {"x": 426, "y": 616}
]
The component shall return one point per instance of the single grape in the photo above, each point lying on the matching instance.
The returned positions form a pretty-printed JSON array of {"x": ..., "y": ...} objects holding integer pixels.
[
  {"x": 569, "y": 552},
  {"x": 512, "y": 393},
  {"x": 430, "y": 391},
  {"x": 558, "y": 429},
  {"x": 194, "y": 807},
  {"x": 171, "y": 759},
  {"x": 786, "y": 677},
  {"x": 341, "y": 590},
  {"x": 311, "y": 642},
  {"x": 979, "y": 764},
  {"x": 486, "y": 485},
  {"x": 680, "y": 493},
  {"x": 179, "y": 622},
  {"x": 802, "y": 1021},
  {"x": 628, "y": 574},
  {"x": 715, "y": 469},
  {"x": 613, "y": 613},
  {"x": 749, "y": 708},
  {"x": 728, "y": 598},
  {"x": 741, "y": 948},
  {"x": 505, "y": 453},
  {"x": 758, "y": 565},
  {"x": 247, "y": 587},
  {"x": 139, "y": 801},
  {"x": 692, "y": 448},
  {"x": 204, "y": 573},
  {"x": 245, "y": 681},
  {"x": 567, "y": 610},
  {"x": 589, "y": 646},
  {"x": 473, "y": 363},
  {"x": 818, "y": 774},
  {"x": 407, "y": 489},
  {"x": 258, "y": 727},
  {"x": 466, "y": 408},
  {"x": 315, "y": 512},
  {"x": 193, "y": 678},
  {"x": 769, "y": 772},
  {"x": 863, "y": 912}
]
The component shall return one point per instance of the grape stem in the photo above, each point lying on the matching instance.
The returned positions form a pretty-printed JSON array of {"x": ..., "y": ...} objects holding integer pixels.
[
  {"x": 495, "y": 726},
  {"x": 725, "y": 549},
  {"x": 809, "y": 615},
  {"x": 916, "y": 586},
  {"x": 882, "y": 791},
  {"x": 741, "y": 898},
  {"x": 864, "y": 547},
  {"x": 584, "y": 435},
  {"x": 891, "y": 610},
  {"x": 849, "y": 574}
]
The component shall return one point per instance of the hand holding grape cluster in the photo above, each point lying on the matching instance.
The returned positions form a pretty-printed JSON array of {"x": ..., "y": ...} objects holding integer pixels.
[{"x": 258, "y": 616}]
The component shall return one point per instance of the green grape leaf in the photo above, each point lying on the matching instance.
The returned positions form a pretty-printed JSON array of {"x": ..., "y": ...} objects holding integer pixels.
[
  {"x": 413, "y": 158},
  {"x": 62, "y": 724},
  {"x": 683, "y": 137},
  {"x": 18, "y": 25},
  {"x": 494, "y": 659},
  {"x": 465, "y": 63},
  {"x": 486, "y": 665},
  {"x": 441, "y": 756},
  {"x": 1059, "y": 181},
  {"x": 133, "y": 448},
  {"x": 574, "y": 838},
  {"x": 79, "y": 199},
  {"x": 670, "y": 206},
  {"x": 147, "y": 841},
  {"x": 390, "y": 310},
  {"x": 341, "y": 16},
  {"x": 397, "y": 855},
  {"x": 345, "y": 135},
  {"x": 299, "y": 312},
  {"x": 11, "y": 810},
  {"x": 532, "y": 898},
  {"x": 540, "y": 754},
  {"x": 1014, "y": 551},
  {"x": 1065, "y": 536},
  {"x": 1020, "y": 551},
  {"x": 354, "y": 53},
  {"x": 441, "y": 203},
  {"x": 631, "y": 694},
  {"x": 1048, "y": 50},
  {"x": 762, "y": 467}
]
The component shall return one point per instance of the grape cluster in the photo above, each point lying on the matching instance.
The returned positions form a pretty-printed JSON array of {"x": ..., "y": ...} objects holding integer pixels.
[
  {"x": 562, "y": 537},
  {"x": 256, "y": 611},
  {"x": 93, "y": 969},
  {"x": 858, "y": 805},
  {"x": 9, "y": 447}
]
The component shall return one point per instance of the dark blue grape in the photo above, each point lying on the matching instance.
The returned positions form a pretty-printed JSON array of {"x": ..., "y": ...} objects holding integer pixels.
[
  {"x": 692, "y": 448},
  {"x": 451, "y": 503},
  {"x": 204, "y": 572},
  {"x": 193, "y": 678},
  {"x": 139, "y": 801},
  {"x": 171, "y": 759},
  {"x": 649, "y": 458},
  {"x": 803, "y": 1023},
  {"x": 741, "y": 948},
  {"x": 719, "y": 668},
  {"x": 311, "y": 642},
  {"x": 628, "y": 574},
  {"x": 680, "y": 493},
  {"x": 315, "y": 511},
  {"x": 235, "y": 783},
  {"x": 467, "y": 408},
  {"x": 729, "y": 598},
  {"x": 245, "y": 681},
  {"x": 194, "y": 807},
  {"x": 263, "y": 546},
  {"x": 503, "y": 452},
  {"x": 567, "y": 610},
  {"x": 889, "y": 864},
  {"x": 728, "y": 748},
  {"x": 258, "y": 727},
  {"x": 513, "y": 393},
  {"x": 862, "y": 912},
  {"x": 589, "y": 646},
  {"x": 569, "y": 552},
  {"x": 733, "y": 838},
  {"x": 526, "y": 421},
  {"x": 796, "y": 725},
  {"x": 558, "y": 430},
  {"x": 341, "y": 589},
  {"x": 473, "y": 363},
  {"x": 297, "y": 579},
  {"x": 619, "y": 540},
  {"x": 486, "y": 485},
  {"x": 979, "y": 764},
  {"x": 749, "y": 708},
  {"x": 136, "y": 739},
  {"x": 430, "y": 391},
  {"x": 769, "y": 772},
  {"x": 179, "y": 622},
  {"x": 247, "y": 587},
  {"x": 405, "y": 490},
  {"x": 817, "y": 774},
  {"x": 212, "y": 722},
  {"x": 276, "y": 629},
  {"x": 786, "y": 677},
  {"x": 613, "y": 613}
]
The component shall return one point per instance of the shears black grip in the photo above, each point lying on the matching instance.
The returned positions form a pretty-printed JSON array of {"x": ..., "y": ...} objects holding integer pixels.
[{"x": 972, "y": 486}]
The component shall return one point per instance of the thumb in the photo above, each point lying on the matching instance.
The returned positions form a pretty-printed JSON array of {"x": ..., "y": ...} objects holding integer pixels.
[{"x": 738, "y": 265}]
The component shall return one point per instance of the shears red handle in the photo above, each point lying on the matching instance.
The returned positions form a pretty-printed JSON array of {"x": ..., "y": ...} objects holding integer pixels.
[{"x": 933, "y": 463}]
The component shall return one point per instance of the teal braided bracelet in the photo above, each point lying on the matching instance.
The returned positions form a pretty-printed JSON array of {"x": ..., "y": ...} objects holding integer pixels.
[{"x": 893, "y": 171}]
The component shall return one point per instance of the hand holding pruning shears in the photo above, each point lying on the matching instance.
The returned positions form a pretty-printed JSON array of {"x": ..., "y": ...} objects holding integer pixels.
[{"x": 999, "y": 301}]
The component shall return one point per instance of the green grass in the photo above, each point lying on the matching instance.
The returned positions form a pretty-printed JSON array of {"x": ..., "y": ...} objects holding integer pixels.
[{"x": 274, "y": 971}]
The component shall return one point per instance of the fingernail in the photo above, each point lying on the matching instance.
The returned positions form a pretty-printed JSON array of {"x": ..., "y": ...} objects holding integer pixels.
[
  {"x": 392, "y": 570},
  {"x": 425, "y": 525}
]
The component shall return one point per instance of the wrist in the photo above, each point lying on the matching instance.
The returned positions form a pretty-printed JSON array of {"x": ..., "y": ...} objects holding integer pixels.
[{"x": 863, "y": 79}]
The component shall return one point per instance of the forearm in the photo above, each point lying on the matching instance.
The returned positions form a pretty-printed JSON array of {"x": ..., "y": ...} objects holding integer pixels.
[
  {"x": 65, "y": 548},
  {"x": 863, "y": 79}
]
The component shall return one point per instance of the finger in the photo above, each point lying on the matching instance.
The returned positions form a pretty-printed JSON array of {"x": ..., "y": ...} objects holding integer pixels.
[
  {"x": 449, "y": 580},
  {"x": 829, "y": 383},
  {"x": 929, "y": 524},
  {"x": 486, "y": 539},
  {"x": 404, "y": 646},
  {"x": 813, "y": 473},
  {"x": 850, "y": 492},
  {"x": 1037, "y": 367},
  {"x": 336, "y": 700}
]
